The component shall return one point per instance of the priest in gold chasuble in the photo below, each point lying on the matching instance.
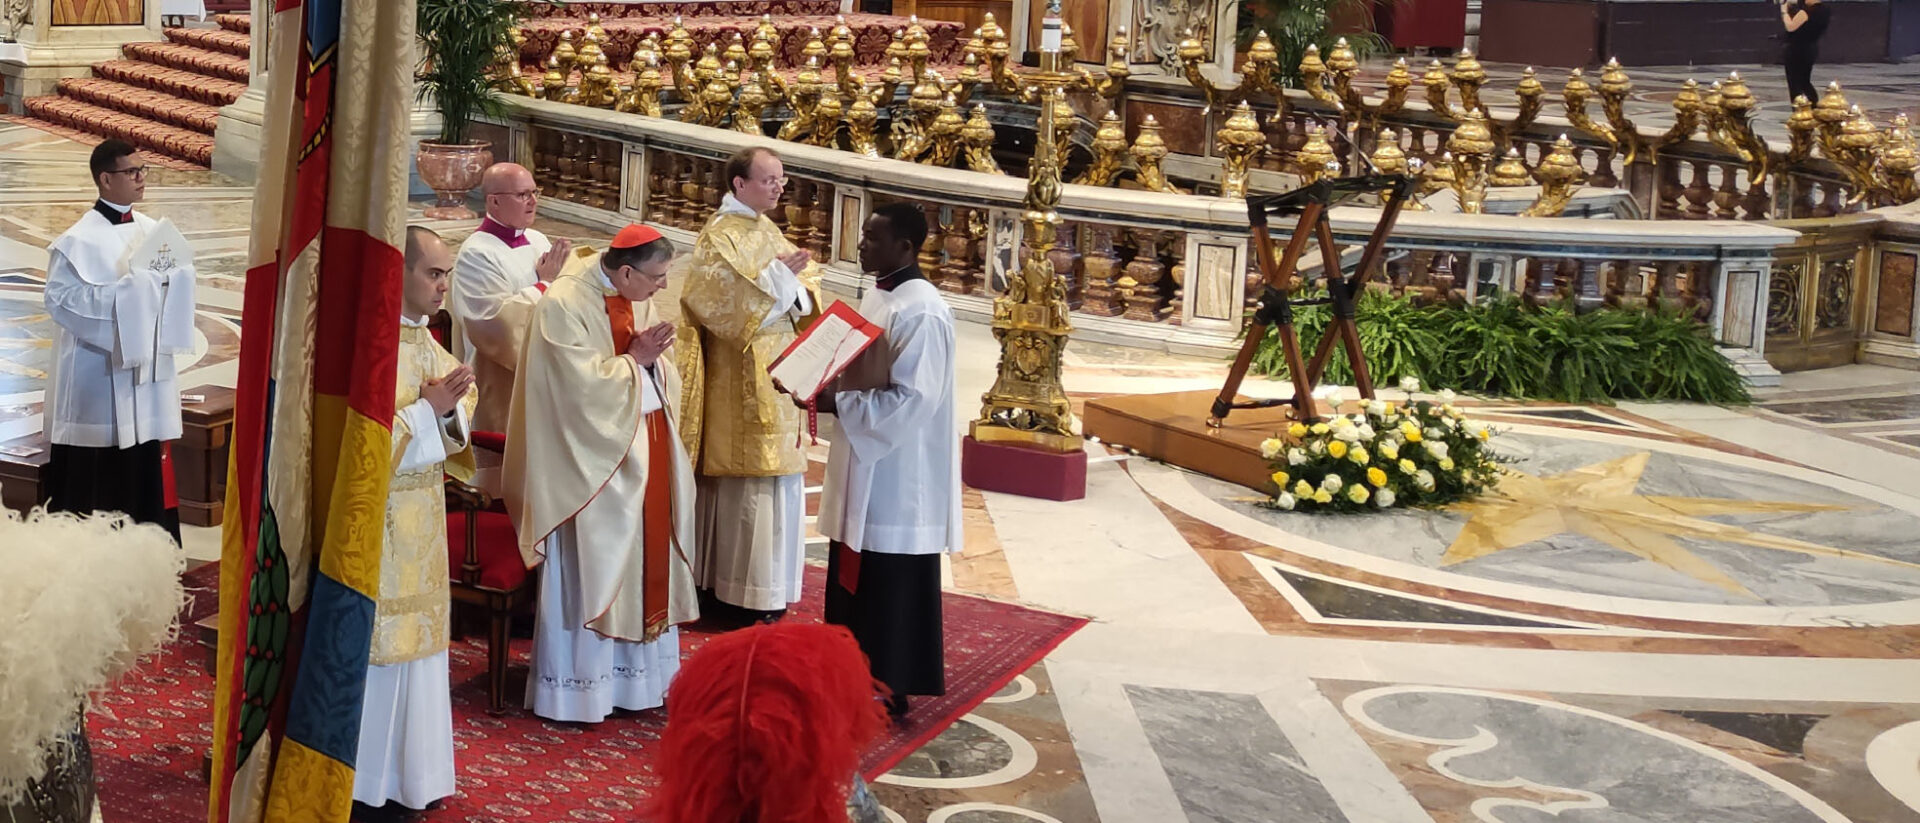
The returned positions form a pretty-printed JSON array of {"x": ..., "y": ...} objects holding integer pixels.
[
  {"x": 749, "y": 292},
  {"x": 600, "y": 488},
  {"x": 406, "y": 724}
]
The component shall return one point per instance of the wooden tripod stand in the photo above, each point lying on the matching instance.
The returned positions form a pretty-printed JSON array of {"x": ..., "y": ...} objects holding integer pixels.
[{"x": 1312, "y": 204}]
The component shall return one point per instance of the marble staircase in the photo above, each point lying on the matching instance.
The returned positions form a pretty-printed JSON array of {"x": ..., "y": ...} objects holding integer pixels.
[{"x": 164, "y": 97}]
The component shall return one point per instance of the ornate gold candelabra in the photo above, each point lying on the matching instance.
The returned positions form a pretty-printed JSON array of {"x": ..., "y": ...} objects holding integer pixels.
[
  {"x": 1027, "y": 404},
  {"x": 1471, "y": 152},
  {"x": 1260, "y": 74},
  {"x": 1149, "y": 148},
  {"x": 1109, "y": 153},
  {"x": 978, "y": 136},
  {"x": 1240, "y": 139},
  {"x": 862, "y": 119},
  {"x": 1560, "y": 175}
]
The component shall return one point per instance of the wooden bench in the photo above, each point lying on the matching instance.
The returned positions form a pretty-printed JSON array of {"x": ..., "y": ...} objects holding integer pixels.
[{"x": 199, "y": 460}]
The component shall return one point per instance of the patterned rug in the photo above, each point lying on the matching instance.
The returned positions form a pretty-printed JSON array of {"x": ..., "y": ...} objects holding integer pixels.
[{"x": 150, "y": 732}]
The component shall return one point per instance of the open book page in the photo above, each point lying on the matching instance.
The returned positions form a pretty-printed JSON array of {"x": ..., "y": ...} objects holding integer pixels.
[{"x": 827, "y": 348}]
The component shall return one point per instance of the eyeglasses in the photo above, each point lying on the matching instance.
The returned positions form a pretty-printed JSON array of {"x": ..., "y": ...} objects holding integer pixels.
[
  {"x": 522, "y": 196},
  {"x": 136, "y": 171},
  {"x": 776, "y": 181}
]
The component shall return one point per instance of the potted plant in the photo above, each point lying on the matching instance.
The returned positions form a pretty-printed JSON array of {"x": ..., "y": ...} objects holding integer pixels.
[{"x": 461, "y": 41}]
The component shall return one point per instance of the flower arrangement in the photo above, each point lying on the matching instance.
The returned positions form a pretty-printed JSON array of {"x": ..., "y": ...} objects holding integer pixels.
[{"x": 1423, "y": 453}]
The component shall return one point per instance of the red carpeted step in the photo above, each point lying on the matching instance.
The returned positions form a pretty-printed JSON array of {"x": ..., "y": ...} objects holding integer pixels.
[
  {"x": 199, "y": 88},
  {"x": 153, "y": 105},
  {"x": 235, "y": 22},
  {"x": 159, "y": 137},
  {"x": 709, "y": 8},
  {"x": 189, "y": 58},
  {"x": 226, "y": 42}
]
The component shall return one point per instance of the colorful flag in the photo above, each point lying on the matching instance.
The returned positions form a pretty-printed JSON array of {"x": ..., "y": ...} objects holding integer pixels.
[{"x": 312, "y": 440}]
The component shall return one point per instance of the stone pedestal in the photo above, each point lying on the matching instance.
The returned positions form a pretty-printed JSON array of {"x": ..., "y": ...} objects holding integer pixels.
[
  {"x": 1028, "y": 472},
  {"x": 52, "y": 46}
]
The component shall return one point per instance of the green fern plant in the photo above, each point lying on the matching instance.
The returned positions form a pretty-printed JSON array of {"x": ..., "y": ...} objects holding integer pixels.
[{"x": 1500, "y": 346}]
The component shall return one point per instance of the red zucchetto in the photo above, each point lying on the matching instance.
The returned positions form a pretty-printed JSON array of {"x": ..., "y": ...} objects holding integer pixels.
[{"x": 634, "y": 236}]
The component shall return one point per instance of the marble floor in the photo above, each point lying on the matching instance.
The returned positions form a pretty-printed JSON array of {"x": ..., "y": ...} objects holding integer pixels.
[{"x": 1751, "y": 654}]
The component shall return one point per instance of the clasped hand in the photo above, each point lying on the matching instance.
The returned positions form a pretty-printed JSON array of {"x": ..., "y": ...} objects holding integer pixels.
[
  {"x": 822, "y": 402},
  {"x": 549, "y": 265},
  {"x": 796, "y": 261},
  {"x": 444, "y": 393},
  {"x": 648, "y": 345}
]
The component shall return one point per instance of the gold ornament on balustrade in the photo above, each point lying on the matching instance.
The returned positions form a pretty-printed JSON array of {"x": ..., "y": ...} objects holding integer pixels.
[
  {"x": 978, "y": 136},
  {"x": 1559, "y": 175},
  {"x": 1239, "y": 140},
  {"x": 1109, "y": 153}
]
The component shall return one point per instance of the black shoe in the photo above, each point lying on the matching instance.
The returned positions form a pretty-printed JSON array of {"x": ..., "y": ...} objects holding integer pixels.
[{"x": 897, "y": 706}]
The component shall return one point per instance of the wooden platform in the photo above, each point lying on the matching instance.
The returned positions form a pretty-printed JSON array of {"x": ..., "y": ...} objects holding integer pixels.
[{"x": 1173, "y": 428}]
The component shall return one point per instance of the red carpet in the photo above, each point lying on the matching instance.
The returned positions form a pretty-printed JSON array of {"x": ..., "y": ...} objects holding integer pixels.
[{"x": 149, "y": 732}]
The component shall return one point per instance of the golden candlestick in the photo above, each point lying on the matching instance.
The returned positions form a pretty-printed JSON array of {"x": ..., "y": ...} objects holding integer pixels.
[
  {"x": 1027, "y": 404},
  {"x": 1109, "y": 153},
  {"x": 978, "y": 135},
  {"x": 1239, "y": 139},
  {"x": 1560, "y": 176}
]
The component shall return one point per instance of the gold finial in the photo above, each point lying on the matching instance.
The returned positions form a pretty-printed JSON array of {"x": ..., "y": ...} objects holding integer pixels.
[
  {"x": 1149, "y": 148},
  {"x": 1239, "y": 139},
  {"x": 1310, "y": 162},
  {"x": 1832, "y": 110},
  {"x": 1510, "y": 172},
  {"x": 1388, "y": 157}
]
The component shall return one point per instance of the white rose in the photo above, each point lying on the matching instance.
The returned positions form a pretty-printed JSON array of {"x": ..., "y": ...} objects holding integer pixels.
[
  {"x": 1437, "y": 449},
  {"x": 1317, "y": 447},
  {"x": 1377, "y": 408},
  {"x": 1295, "y": 457},
  {"x": 1383, "y": 498},
  {"x": 1366, "y": 432},
  {"x": 1424, "y": 480},
  {"x": 1409, "y": 384},
  {"x": 1346, "y": 433},
  {"x": 1435, "y": 433},
  {"x": 1284, "y": 501},
  {"x": 1332, "y": 484},
  {"x": 1447, "y": 396},
  {"x": 1271, "y": 447}
]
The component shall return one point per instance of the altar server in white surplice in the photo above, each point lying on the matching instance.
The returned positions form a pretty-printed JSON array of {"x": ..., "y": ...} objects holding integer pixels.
[
  {"x": 497, "y": 277},
  {"x": 891, "y": 500},
  {"x": 406, "y": 725},
  {"x": 112, "y": 402},
  {"x": 600, "y": 487}
]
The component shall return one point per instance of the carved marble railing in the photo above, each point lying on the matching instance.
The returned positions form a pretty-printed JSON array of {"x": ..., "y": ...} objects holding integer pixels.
[{"x": 1153, "y": 269}]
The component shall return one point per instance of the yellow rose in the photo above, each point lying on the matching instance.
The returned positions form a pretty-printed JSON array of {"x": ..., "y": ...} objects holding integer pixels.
[
  {"x": 1297, "y": 430},
  {"x": 1338, "y": 449},
  {"x": 1407, "y": 467},
  {"x": 1411, "y": 431},
  {"x": 1389, "y": 451},
  {"x": 1319, "y": 428},
  {"x": 1358, "y": 493},
  {"x": 1359, "y": 456},
  {"x": 1376, "y": 477},
  {"x": 1303, "y": 489},
  {"x": 1280, "y": 480},
  {"x": 1484, "y": 433},
  {"x": 1446, "y": 464},
  {"x": 1390, "y": 407},
  {"x": 1322, "y": 496}
]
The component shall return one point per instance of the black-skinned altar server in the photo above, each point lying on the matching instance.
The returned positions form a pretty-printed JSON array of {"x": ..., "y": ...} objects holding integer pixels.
[
  {"x": 600, "y": 487},
  {"x": 112, "y": 402},
  {"x": 891, "y": 500}
]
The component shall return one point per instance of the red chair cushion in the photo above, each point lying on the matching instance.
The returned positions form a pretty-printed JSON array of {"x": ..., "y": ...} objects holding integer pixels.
[
  {"x": 496, "y": 545},
  {"x": 491, "y": 441}
]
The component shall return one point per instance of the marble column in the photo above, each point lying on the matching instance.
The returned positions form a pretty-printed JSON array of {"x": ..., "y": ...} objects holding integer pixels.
[
  {"x": 49, "y": 49},
  {"x": 236, "y": 139}
]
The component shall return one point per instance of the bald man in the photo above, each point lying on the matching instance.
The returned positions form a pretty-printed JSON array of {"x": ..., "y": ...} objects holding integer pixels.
[{"x": 499, "y": 274}]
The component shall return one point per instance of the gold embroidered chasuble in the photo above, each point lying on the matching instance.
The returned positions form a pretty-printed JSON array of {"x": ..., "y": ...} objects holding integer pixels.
[
  {"x": 748, "y": 429},
  {"x": 578, "y": 453},
  {"x": 410, "y": 611}
]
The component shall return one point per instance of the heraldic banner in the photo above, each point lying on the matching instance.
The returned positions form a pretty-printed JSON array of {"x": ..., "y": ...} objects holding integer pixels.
[{"x": 312, "y": 440}]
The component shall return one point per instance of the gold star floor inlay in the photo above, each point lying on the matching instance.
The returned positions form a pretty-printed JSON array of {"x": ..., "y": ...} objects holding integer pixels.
[{"x": 1599, "y": 501}]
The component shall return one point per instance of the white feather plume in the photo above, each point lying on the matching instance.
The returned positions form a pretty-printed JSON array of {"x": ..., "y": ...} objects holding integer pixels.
[{"x": 82, "y": 599}]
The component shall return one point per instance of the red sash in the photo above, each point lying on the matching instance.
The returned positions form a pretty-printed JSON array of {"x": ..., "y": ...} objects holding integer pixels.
[
  {"x": 657, "y": 506},
  {"x": 620, "y": 315}
]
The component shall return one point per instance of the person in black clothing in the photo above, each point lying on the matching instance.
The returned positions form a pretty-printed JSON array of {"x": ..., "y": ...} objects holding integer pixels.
[{"x": 1805, "y": 21}]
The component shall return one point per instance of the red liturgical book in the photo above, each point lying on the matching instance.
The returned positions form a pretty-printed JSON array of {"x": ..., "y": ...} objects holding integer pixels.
[{"x": 823, "y": 351}]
